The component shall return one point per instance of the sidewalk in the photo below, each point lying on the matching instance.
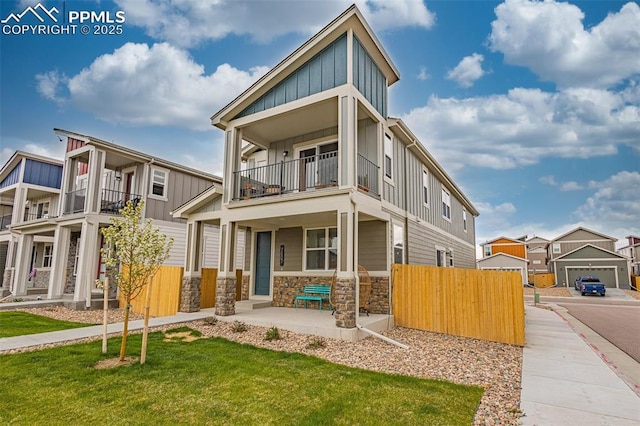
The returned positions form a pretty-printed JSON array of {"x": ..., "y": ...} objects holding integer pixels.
[{"x": 564, "y": 381}]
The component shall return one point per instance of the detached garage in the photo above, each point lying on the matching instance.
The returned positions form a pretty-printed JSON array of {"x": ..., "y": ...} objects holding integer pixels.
[
  {"x": 505, "y": 262},
  {"x": 610, "y": 267}
]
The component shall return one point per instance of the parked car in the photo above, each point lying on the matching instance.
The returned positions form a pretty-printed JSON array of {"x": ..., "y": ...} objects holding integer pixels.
[{"x": 589, "y": 284}]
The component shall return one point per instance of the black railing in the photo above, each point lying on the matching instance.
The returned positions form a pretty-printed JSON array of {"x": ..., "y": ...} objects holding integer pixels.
[
  {"x": 367, "y": 175},
  {"x": 5, "y": 221},
  {"x": 114, "y": 201},
  {"x": 304, "y": 174},
  {"x": 35, "y": 216},
  {"x": 74, "y": 201}
]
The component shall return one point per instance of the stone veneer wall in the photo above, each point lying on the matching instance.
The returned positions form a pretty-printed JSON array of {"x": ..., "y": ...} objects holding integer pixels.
[
  {"x": 244, "y": 291},
  {"x": 379, "y": 298},
  {"x": 41, "y": 279},
  {"x": 285, "y": 288},
  {"x": 225, "y": 296},
  {"x": 190, "y": 294},
  {"x": 7, "y": 277},
  {"x": 345, "y": 294},
  {"x": 70, "y": 283}
]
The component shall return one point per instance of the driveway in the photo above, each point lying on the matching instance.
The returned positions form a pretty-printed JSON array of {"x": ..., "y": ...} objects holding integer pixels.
[{"x": 618, "y": 324}]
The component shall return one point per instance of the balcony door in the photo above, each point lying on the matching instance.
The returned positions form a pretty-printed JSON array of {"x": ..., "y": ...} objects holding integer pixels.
[
  {"x": 319, "y": 166},
  {"x": 128, "y": 184}
]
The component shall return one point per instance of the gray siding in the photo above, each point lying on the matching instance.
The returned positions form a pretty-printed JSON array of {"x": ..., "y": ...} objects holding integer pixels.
[
  {"x": 182, "y": 187},
  {"x": 274, "y": 155},
  {"x": 395, "y": 193},
  {"x": 422, "y": 243},
  {"x": 326, "y": 70},
  {"x": 368, "y": 78},
  {"x": 368, "y": 139},
  {"x": 372, "y": 243},
  {"x": 291, "y": 238}
]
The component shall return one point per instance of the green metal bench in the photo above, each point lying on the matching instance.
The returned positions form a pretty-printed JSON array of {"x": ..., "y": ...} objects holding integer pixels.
[{"x": 313, "y": 292}]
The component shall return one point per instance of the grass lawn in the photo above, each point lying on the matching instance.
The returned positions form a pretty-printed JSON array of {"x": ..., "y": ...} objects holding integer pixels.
[
  {"x": 14, "y": 323},
  {"x": 215, "y": 381}
]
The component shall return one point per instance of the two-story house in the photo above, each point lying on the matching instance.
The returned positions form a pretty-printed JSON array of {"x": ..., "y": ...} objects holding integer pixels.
[
  {"x": 582, "y": 251},
  {"x": 321, "y": 179},
  {"x": 29, "y": 191},
  {"x": 537, "y": 255},
  {"x": 505, "y": 254},
  {"x": 98, "y": 178},
  {"x": 632, "y": 252}
]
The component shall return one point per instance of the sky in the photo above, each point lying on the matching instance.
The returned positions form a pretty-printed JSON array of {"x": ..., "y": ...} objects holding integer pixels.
[{"x": 533, "y": 108}]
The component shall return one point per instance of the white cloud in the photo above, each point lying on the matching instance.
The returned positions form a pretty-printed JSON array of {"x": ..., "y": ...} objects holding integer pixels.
[
  {"x": 524, "y": 126},
  {"x": 49, "y": 84},
  {"x": 550, "y": 38},
  {"x": 615, "y": 205},
  {"x": 423, "y": 74},
  {"x": 11, "y": 145},
  {"x": 158, "y": 85},
  {"x": 548, "y": 180},
  {"x": 571, "y": 186},
  {"x": 468, "y": 70},
  {"x": 188, "y": 23}
]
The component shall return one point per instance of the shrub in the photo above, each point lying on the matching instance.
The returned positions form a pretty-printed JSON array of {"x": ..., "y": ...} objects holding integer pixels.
[
  {"x": 316, "y": 343},
  {"x": 239, "y": 327},
  {"x": 272, "y": 334},
  {"x": 210, "y": 320}
]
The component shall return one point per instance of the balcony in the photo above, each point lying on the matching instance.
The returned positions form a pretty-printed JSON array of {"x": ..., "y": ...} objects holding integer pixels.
[
  {"x": 5, "y": 221},
  {"x": 111, "y": 202},
  {"x": 304, "y": 174},
  {"x": 368, "y": 176},
  {"x": 35, "y": 216}
]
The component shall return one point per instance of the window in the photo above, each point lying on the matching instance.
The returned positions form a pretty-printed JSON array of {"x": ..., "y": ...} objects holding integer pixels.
[
  {"x": 322, "y": 249},
  {"x": 398, "y": 244},
  {"x": 444, "y": 257},
  {"x": 555, "y": 248},
  {"x": 537, "y": 262},
  {"x": 48, "y": 256},
  {"x": 159, "y": 183},
  {"x": 487, "y": 251},
  {"x": 425, "y": 187},
  {"x": 446, "y": 205},
  {"x": 388, "y": 157},
  {"x": 42, "y": 209},
  {"x": 76, "y": 260},
  {"x": 464, "y": 220}
]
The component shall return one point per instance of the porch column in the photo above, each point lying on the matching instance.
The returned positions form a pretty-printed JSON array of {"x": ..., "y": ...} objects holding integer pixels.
[
  {"x": 226, "y": 281},
  {"x": 87, "y": 263},
  {"x": 9, "y": 267},
  {"x": 347, "y": 128},
  {"x": 61, "y": 243},
  {"x": 23, "y": 263},
  {"x": 19, "y": 202},
  {"x": 345, "y": 291},
  {"x": 190, "y": 291}
]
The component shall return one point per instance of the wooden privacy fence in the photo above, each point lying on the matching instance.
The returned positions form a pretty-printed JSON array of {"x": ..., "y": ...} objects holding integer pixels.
[
  {"x": 208, "y": 288},
  {"x": 165, "y": 293},
  {"x": 482, "y": 304},
  {"x": 542, "y": 280}
]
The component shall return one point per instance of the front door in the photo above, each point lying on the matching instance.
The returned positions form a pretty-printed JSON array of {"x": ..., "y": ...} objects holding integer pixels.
[{"x": 263, "y": 264}]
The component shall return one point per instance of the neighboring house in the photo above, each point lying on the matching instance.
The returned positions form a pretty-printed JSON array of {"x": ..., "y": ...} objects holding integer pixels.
[
  {"x": 29, "y": 192},
  {"x": 98, "y": 178},
  {"x": 586, "y": 252},
  {"x": 505, "y": 262},
  {"x": 632, "y": 251},
  {"x": 510, "y": 246},
  {"x": 537, "y": 255},
  {"x": 320, "y": 180}
]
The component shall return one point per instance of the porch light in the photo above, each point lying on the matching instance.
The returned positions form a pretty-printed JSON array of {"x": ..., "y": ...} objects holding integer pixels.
[
  {"x": 118, "y": 176},
  {"x": 285, "y": 153}
]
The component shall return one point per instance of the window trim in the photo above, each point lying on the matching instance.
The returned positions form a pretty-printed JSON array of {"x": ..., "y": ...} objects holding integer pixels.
[
  {"x": 393, "y": 248},
  {"x": 45, "y": 257},
  {"x": 327, "y": 247},
  {"x": 425, "y": 187},
  {"x": 446, "y": 195},
  {"x": 464, "y": 219},
  {"x": 555, "y": 246},
  {"x": 165, "y": 187},
  {"x": 76, "y": 259},
  {"x": 388, "y": 153},
  {"x": 484, "y": 252},
  {"x": 448, "y": 260}
]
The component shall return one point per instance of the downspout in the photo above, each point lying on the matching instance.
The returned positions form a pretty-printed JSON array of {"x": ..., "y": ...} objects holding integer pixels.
[{"x": 357, "y": 278}]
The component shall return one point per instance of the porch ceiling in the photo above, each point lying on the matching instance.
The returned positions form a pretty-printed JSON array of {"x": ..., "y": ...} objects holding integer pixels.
[
  {"x": 294, "y": 123},
  {"x": 306, "y": 220}
]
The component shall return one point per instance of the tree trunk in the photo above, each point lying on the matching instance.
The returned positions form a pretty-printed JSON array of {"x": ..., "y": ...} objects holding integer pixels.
[
  {"x": 145, "y": 330},
  {"x": 125, "y": 330},
  {"x": 105, "y": 315}
]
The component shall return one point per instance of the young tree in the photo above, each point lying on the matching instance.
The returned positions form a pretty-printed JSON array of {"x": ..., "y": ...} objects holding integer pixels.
[{"x": 139, "y": 249}]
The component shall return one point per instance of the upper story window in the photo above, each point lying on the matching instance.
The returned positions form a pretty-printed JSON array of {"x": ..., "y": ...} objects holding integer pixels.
[
  {"x": 388, "y": 157},
  {"x": 159, "y": 181},
  {"x": 425, "y": 187},
  {"x": 446, "y": 205},
  {"x": 42, "y": 209},
  {"x": 487, "y": 251},
  {"x": 464, "y": 220},
  {"x": 555, "y": 248}
]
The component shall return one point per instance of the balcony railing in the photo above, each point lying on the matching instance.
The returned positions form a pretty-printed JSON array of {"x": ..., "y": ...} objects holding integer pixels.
[
  {"x": 111, "y": 201},
  {"x": 35, "y": 216},
  {"x": 114, "y": 201},
  {"x": 5, "y": 221},
  {"x": 74, "y": 201},
  {"x": 304, "y": 174},
  {"x": 367, "y": 175}
]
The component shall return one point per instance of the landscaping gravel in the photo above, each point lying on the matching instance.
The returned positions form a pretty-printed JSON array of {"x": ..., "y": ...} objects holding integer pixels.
[
  {"x": 495, "y": 366},
  {"x": 551, "y": 291}
]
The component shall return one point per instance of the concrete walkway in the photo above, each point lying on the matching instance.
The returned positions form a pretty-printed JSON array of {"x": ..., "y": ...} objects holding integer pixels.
[{"x": 565, "y": 382}]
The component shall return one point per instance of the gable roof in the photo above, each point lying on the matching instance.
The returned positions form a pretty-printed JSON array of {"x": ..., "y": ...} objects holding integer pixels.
[
  {"x": 593, "y": 246},
  {"x": 141, "y": 156},
  {"x": 17, "y": 156},
  {"x": 503, "y": 255},
  {"x": 581, "y": 228},
  {"x": 515, "y": 241},
  {"x": 351, "y": 18},
  {"x": 206, "y": 196}
]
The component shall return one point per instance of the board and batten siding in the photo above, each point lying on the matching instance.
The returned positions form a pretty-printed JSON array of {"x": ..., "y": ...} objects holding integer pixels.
[
  {"x": 372, "y": 244},
  {"x": 276, "y": 149},
  {"x": 292, "y": 239},
  {"x": 182, "y": 187}
]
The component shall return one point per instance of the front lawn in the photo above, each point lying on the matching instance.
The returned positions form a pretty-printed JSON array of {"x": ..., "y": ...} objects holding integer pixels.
[
  {"x": 215, "y": 381},
  {"x": 15, "y": 323}
]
